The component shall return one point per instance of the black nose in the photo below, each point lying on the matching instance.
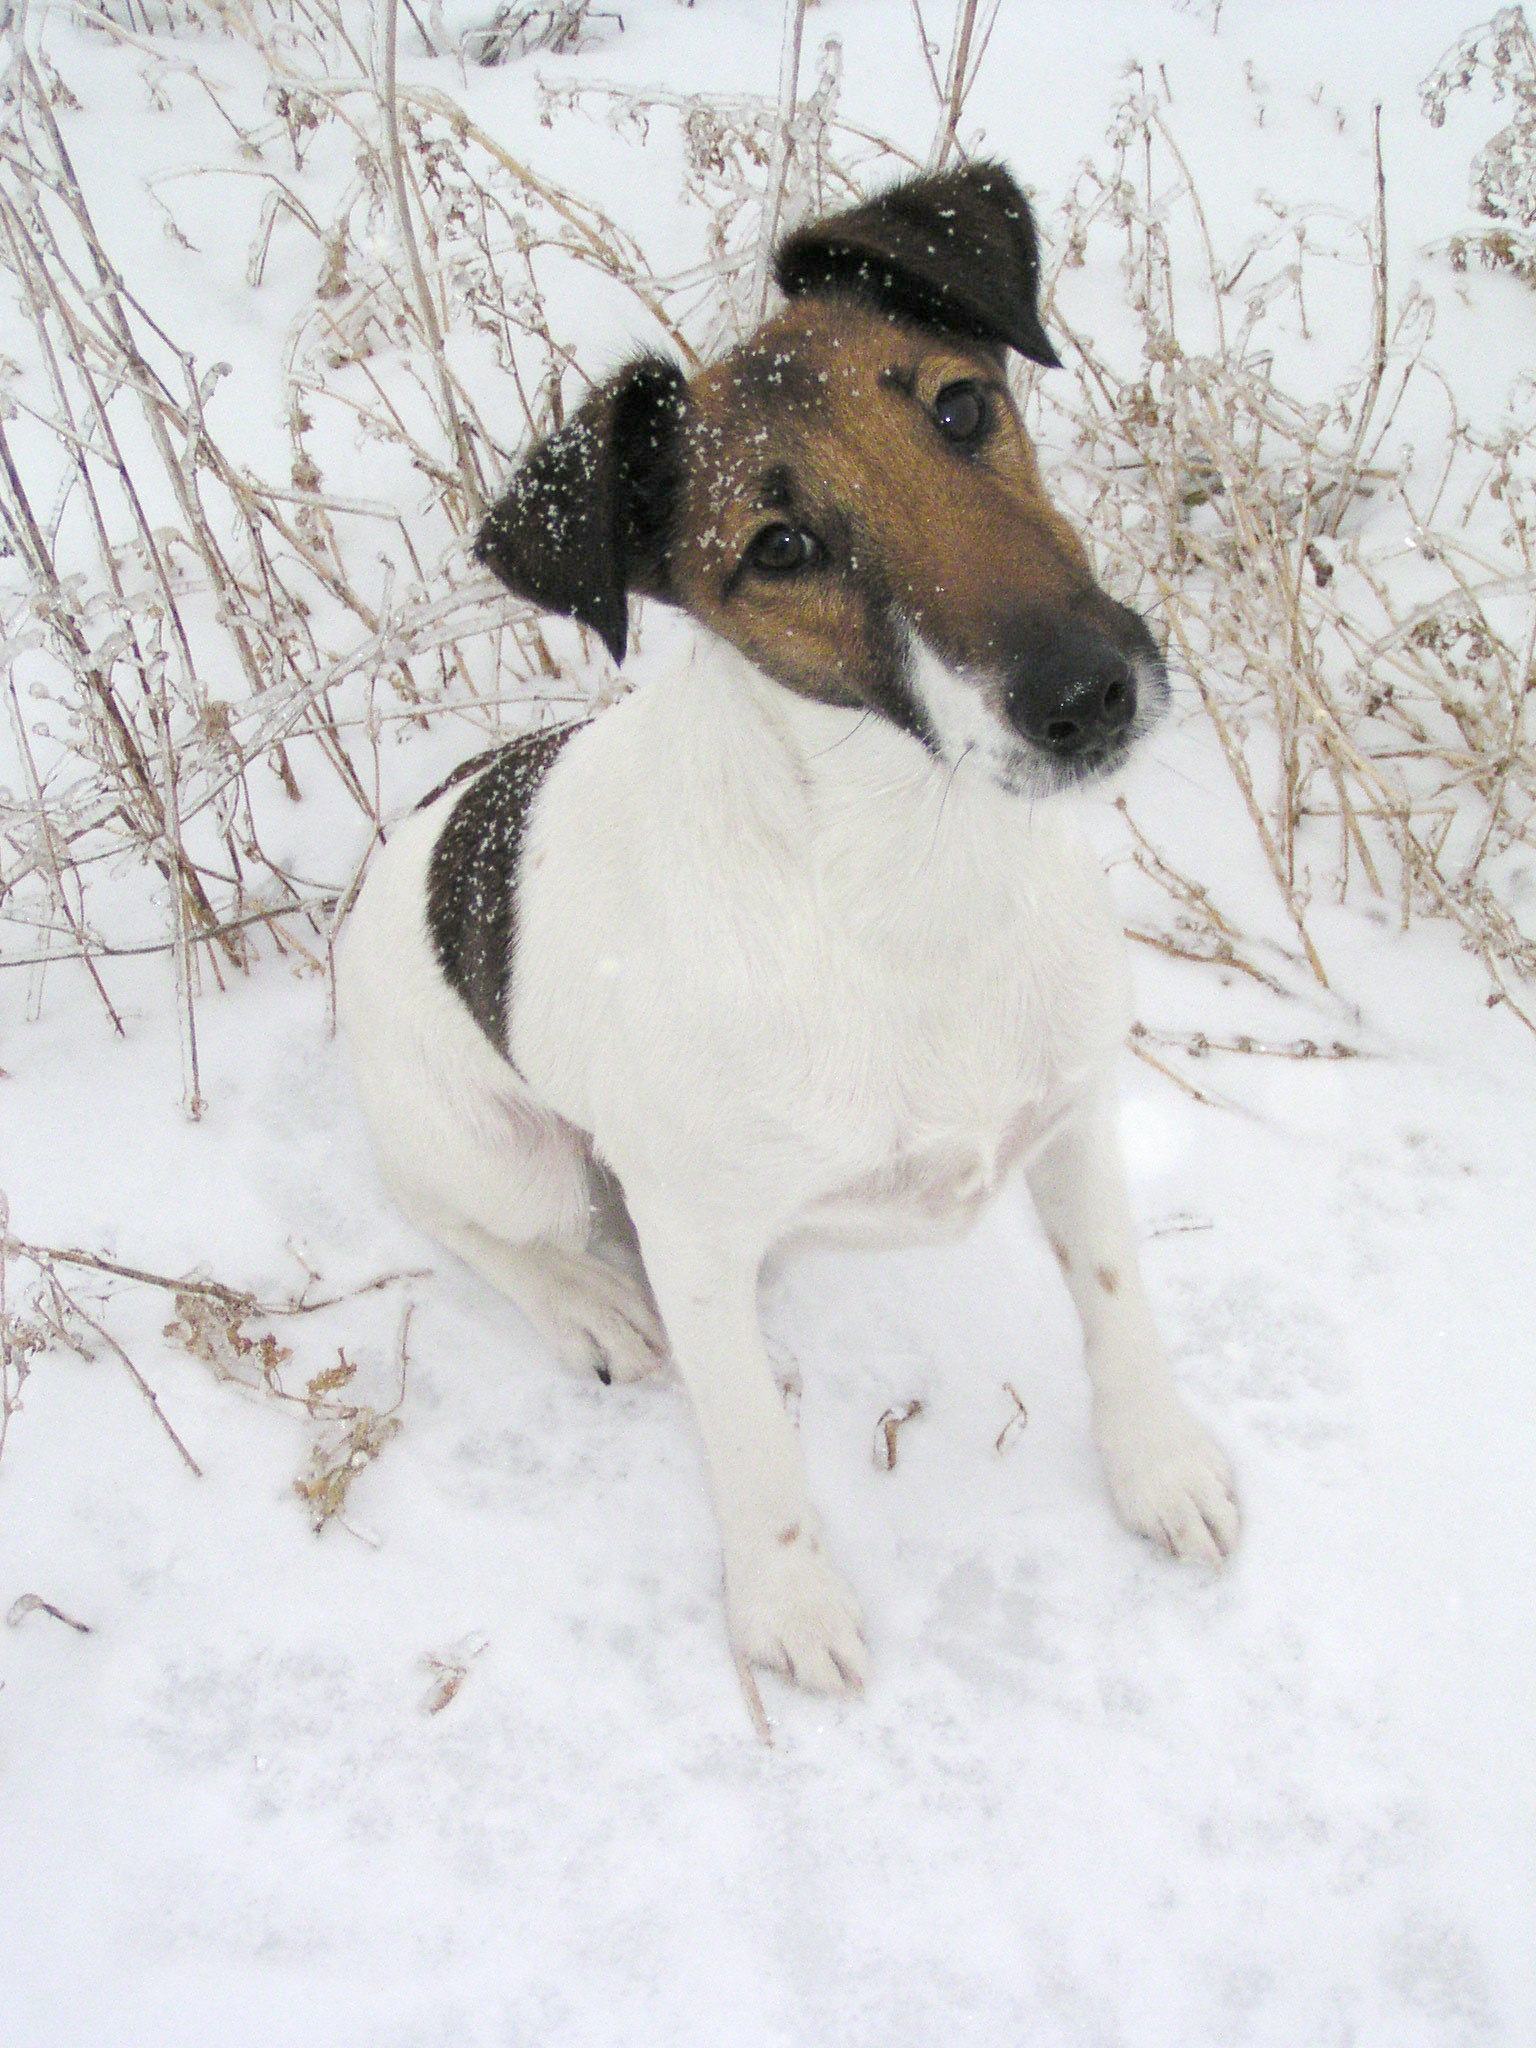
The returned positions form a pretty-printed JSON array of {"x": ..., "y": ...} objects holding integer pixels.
[{"x": 1073, "y": 692}]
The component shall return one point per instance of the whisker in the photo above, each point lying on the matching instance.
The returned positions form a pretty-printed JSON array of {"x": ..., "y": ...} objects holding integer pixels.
[
  {"x": 944, "y": 799},
  {"x": 858, "y": 726}
]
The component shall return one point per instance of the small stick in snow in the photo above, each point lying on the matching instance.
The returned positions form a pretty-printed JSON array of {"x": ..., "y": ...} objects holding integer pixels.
[
  {"x": 887, "y": 1430},
  {"x": 1221, "y": 953},
  {"x": 1199, "y": 1046},
  {"x": 33, "y": 1603},
  {"x": 1178, "y": 1080},
  {"x": 133, "y": 1372},
  {"x": 1020, "y": 1420},
  {"x": 237, "y": 1298},
  {"x": 753, "y": 1697}
]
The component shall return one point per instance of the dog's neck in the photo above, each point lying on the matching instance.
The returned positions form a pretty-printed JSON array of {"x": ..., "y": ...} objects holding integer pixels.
[
  {"x": 902, "y": 840},
  {"x": 844, "y": 754}
]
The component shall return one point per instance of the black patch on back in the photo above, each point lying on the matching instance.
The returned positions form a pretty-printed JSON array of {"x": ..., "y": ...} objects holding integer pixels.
[
  {"x": 472, "y": 877},
  {"x": 457, "y": 775}
]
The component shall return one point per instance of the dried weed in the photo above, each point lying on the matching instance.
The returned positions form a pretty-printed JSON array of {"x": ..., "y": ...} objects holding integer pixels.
[{"x": 194, "y": 648}]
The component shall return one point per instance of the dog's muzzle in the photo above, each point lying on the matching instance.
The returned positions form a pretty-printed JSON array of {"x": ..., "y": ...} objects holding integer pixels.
[{"x": 1081, "y": 691}]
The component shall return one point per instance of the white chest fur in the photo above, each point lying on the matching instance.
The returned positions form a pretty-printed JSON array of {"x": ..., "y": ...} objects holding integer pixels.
[{"x": 760, "y": 932}]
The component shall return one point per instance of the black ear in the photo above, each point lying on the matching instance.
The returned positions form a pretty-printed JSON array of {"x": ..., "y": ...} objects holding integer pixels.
[
  {"x": 587, "y": 517},
  {"x": 956, "y": 251}
]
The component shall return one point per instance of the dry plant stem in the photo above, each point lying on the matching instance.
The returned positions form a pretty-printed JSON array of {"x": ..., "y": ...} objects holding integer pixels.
[
  {"x": 1178, "y": 1080},
  {"x": 10, "y": 1378},
  {"x": 1199, "y": 212},
  {"x": 1221, "y": 947},
  {"x": 1239, "y": 766},
  {"x": 170, "y": 849},
  {"x": 33, "y": 1603},
  {"x": 889, "y": 1429},
  {"x": 191, "y": 1084},
  {"x": 40, "y": 560},
  {"x": 966, "y": 51},
  {"x": 1193, "y": 895},
  {"x": 402, "y": 1355},
  {"x": 959, "y": 76},
  {"x": 335, "y": 922},
  {"x": 50, "y": 854},
  {"x": 1017, "y": 1421},
  {"x": 965, "y": 25},
  {"x": 1198, "y": 1045},
  {"x": 1223, "y": 955},
  {"x": 1378, "y": 369},
  {"x": 469, "y": 476},
  {"x": 133, "y": 1371},
  {"x": 605, "y": 251},
  {"x": 107, "y": 298},
  {"x": 99, "y": 949},
  {"x": 1231, "y": 479},
  {"x": 778, "y": 163},
  {"x": 1202, "y": 478},
  {"x": 757, "y": 1712},
  {"x": 238, "y": 1299},
  {"x": 928, "y": 48},
  {"x": 86, "y": 321}
]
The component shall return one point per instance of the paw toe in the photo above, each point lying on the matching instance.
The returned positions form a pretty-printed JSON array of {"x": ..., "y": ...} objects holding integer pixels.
[
  {"x": 612, "y": 1330},
  {"x": 1171, "y": 1481},
  {"x": 796, "y": 1616}
]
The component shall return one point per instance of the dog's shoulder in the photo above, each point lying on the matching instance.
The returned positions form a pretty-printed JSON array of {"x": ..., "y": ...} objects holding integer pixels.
[{"x": 688, "y": 771}]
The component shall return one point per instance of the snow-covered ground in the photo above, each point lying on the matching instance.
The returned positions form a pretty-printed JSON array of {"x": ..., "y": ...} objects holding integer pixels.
[{"x": 1091, "y": 1796}]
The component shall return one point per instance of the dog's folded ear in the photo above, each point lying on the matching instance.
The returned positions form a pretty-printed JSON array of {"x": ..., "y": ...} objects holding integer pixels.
[
  {"x": 955, "y": 251},
  {"x": 587, "y": 516}
]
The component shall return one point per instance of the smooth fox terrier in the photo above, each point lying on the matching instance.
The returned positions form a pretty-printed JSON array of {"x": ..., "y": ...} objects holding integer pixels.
[{"x": 790, "y": 940}]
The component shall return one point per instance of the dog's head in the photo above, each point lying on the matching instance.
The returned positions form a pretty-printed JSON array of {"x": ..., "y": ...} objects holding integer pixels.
[{"x": 851, "y": 499}]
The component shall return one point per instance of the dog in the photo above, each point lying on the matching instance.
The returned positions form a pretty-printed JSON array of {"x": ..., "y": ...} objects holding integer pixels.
[{"x": 801, "y": 937}]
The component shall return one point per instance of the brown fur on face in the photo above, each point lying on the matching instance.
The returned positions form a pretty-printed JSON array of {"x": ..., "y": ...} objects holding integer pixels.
[
  {"x": 823, "y": 421},
  {"x": 851, "y": 499}
]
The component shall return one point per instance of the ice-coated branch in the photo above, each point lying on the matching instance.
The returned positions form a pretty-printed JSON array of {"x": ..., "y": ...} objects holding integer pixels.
[{"x": 778, "y": 163}]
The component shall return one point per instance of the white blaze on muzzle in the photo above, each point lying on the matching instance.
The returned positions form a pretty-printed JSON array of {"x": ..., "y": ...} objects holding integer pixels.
[{"x": 963, "y": 709}]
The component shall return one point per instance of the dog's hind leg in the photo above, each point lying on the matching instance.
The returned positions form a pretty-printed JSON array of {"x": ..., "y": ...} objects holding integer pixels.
[
  {"x": 477, "y": 1164},
  {"x": 596, "y": 1316},
  {"x": 516, "y": 1193},
  {"x": 1168, "y": 1477}
]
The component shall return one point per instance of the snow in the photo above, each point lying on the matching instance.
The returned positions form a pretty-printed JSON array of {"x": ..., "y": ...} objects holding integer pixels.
[{"x": 1091, "y": 1796}]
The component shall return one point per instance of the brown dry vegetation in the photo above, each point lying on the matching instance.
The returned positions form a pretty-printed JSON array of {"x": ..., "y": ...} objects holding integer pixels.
[{"x": 189, "y": 642}]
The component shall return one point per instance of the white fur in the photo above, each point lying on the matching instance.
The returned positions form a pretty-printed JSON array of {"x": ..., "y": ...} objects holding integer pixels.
[
  {"x": 966, "y": 724},
  {"x": 784, "y": 973}
]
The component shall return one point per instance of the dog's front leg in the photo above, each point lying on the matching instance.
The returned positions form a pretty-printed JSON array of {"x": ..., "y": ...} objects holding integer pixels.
[
  {"x": 1168, "y": 1477},
  {"x": 787, "y": 1608}
]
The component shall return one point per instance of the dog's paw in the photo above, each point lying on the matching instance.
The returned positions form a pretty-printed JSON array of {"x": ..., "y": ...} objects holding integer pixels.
[
  {"x": 790, "y": 1612},
  {"x": 599, "y": 1320},
  {"x": 1168, "y": 1477}
]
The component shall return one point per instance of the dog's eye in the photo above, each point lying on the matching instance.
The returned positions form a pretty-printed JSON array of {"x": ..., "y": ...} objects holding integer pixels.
[
  {"x": 960, "y": 413},
  {"x": 782, "y": 550}
]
